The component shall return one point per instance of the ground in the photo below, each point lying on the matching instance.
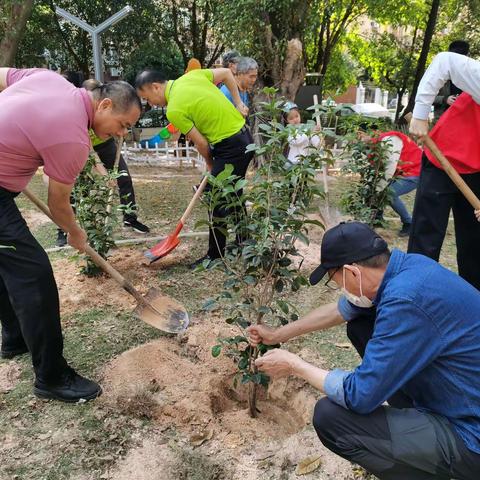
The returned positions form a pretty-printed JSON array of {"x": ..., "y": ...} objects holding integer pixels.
[{"x": 169, "y": 410}]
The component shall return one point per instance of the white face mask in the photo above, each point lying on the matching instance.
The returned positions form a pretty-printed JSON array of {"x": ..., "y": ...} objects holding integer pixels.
[{"x": 362, "y": 301}]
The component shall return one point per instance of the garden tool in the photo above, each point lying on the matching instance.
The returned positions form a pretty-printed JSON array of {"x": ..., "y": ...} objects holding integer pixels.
[
  {"x": 326, "y": 214},
  {"x": 157, "y": 310},
  {"x": 169, "y": 243}
]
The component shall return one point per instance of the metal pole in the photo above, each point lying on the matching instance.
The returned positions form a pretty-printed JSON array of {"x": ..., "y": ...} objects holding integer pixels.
[{"x": 95, "y": 33}]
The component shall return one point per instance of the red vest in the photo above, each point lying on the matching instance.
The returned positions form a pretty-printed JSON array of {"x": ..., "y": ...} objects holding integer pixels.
[
  {"x": 410, "y": 161},
  {"x": 456, "y": 135}
]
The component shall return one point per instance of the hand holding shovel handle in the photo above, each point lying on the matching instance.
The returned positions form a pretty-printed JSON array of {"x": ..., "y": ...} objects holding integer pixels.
[{"x": 166, "y": 314}]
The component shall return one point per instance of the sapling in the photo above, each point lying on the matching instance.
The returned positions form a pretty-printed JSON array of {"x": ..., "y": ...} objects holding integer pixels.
[
  {"x": 92, "y": 197},
  {"x": 268, "y": 216}
]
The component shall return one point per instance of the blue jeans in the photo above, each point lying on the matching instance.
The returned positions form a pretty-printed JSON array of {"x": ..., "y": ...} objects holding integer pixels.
[{"x": 399, "y": 187}]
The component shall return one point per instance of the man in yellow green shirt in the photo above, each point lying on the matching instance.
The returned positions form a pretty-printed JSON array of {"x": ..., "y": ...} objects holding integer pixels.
[{"x": 217, "y": 127}]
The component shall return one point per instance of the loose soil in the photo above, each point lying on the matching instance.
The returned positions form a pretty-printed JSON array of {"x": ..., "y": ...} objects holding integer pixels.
[{"x": 176, "y": 383}]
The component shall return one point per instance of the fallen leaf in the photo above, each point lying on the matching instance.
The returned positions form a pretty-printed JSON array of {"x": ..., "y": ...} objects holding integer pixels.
[
  {"x": 198, "y": 438},
  {"x": 343, "y": 345},
  {"x": 308, "y": 465}
]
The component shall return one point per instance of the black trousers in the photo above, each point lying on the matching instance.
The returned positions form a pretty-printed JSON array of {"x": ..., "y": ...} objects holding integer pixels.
[
  {"x": 29, "y": 305},
  {"x": 228, "y": 151},
  {"x": 436, "y": 196},
  {"x": 107, "y": 152},
  {"x": 396, "y": 442}
]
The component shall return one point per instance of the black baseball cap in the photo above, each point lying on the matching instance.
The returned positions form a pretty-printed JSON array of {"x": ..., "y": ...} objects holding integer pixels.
[{"x": 346, "y": 243}]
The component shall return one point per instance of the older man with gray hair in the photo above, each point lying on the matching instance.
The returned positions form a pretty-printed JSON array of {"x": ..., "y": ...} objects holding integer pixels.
[{"x": 246, "y": 76}]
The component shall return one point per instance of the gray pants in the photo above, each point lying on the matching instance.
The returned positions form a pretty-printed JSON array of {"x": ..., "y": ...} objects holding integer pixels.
[{"x": 396, "y": 444}]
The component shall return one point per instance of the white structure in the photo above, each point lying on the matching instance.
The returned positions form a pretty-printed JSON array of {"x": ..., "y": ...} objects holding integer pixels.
[
  {"x": 164, "y": 154},
  {"x": 360, "y": 93}
]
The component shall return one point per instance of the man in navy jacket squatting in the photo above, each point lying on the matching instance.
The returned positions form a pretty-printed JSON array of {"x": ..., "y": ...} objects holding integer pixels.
[{"x": 417, "y": 327}]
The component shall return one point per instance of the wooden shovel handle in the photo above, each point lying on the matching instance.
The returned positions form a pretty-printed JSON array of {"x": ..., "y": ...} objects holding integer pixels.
[
  {"x": 452, "y": 173},
  {"x": 199, "y": 191},
  {"x": 98, "y": 259}
]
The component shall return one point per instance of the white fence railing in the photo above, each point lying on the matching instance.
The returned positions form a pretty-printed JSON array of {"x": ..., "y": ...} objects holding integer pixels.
[{"x": 166, "y": 154}]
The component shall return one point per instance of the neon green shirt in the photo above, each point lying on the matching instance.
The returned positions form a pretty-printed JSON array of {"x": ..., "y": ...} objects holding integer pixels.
[
  {"x": 194, "y": 101},
  {"x": 95, "y": 140}
]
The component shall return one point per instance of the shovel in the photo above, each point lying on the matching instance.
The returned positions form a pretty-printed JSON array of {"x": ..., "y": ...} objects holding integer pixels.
[
  {"x": 452, "y": 173},
  {"x": 155, "y": 309},
  {"x": 168, "y": 244}
]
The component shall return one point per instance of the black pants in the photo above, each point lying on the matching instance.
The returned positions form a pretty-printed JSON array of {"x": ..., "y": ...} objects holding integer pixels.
[
  {"x": 436, "y": 196},
  {"x": 29, "y": 305},
  {"x": 395, "y": 442},
  {"x": 107, "y": 152},
  {"x": 228, "y": 151}
]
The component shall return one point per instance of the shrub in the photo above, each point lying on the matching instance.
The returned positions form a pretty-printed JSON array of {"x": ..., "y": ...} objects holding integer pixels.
[{"x": 259, "y": 268}]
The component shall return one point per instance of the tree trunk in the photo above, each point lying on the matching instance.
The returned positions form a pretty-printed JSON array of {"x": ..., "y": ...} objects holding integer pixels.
[
  {"x": 293, "y": 71},
  {"x": 422, "y": 60},
  {"x": 18, "y": 14}
]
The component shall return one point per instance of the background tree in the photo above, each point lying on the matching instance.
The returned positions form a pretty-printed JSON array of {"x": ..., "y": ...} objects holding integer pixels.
[
  {"x": 63, "y": 45},
  {"x": 272, "y": 32},
  {"x": 13, "y": 19},
  {"x": 191, "y": 25}
]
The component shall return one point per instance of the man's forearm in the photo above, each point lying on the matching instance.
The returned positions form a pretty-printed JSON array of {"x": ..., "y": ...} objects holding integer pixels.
[
  {"x": 321, "y": 318},
  {"x": 313, "y": 375},
  {"x": 233, "y": 88},
  {"x": 63, "y": 216}
]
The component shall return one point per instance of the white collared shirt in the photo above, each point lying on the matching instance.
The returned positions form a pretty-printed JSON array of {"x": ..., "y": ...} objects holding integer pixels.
[{"x": 463, "y": 71}]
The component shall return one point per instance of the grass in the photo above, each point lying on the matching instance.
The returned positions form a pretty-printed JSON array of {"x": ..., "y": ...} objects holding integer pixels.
[{"x": 45, "y": 440}]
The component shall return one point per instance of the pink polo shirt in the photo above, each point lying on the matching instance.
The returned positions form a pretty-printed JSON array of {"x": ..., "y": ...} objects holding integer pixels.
[{"x": 44, "y": 120}]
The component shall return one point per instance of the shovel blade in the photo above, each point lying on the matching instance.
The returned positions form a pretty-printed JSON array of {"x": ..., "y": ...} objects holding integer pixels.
[
  {"x": 162, "y": 248},
  {"x": 167, "y": 314}
]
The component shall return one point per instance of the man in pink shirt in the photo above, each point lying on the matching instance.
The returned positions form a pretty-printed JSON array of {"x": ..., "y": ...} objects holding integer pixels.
[{"x": 44, "y": 120}]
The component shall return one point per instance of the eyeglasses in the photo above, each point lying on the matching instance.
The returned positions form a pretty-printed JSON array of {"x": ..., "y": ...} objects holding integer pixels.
[{"x": 334, "y": 287}]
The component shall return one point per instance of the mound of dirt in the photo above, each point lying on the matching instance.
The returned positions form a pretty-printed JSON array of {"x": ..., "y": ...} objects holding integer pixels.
[
  {"x": 9, "y": 376},
  {"x": 176, "y": 382}
]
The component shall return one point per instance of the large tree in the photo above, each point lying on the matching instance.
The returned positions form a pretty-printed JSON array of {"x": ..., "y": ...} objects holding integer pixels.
[
  {"x": 13, "y": 19},
  {"x": 67, "y": 46},
  {"x": 272, "y": 31},
  {"x": 191, "y": 25}
]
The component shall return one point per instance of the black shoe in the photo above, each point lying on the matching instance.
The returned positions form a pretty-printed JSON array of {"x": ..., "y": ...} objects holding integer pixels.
[
  {"x": 199, "y": 262},
  {"x": 14, "y": 352},
  {"x": 61, "y": 238},
  {"x": 405, "y": 231},
  {"x": 71, "y": 388},
  {"x": 136, "y": 225}
]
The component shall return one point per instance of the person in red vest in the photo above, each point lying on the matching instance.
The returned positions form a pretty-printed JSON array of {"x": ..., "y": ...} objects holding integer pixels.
[
  {"x": 456, "y": 134},
  {"x": 403, "y": 162}
]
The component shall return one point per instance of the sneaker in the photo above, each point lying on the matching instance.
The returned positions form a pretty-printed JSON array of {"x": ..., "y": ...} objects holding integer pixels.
[
  {"x": 61, "y": 238},
  {"x": 71, "y": 388},
  {"x": 14, "y": 352},
  {"x": 405, "y": 231},
  {"x": 136, "y": 225}
]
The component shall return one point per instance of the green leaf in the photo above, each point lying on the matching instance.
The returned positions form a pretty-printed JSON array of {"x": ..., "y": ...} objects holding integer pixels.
[
  {"x": 216, "y": 350},
  {"x": 249, "y": 280},
  {"x": 210, "y": 304},
  {"x": 283, "y": 306}
]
